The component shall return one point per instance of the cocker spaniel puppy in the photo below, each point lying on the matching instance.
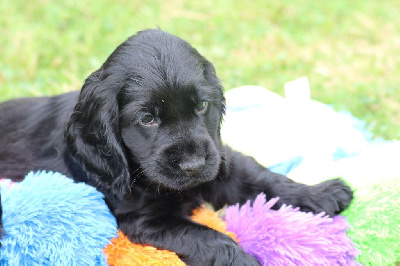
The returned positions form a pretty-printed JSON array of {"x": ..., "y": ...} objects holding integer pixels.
[{"x": 145, "y": 131}]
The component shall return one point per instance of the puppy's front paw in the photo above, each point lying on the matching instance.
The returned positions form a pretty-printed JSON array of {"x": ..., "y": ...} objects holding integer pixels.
[
  {"x": 331, "y": 197},
  {"x": 244, "y": 259},
  {"x": 235, "y": 256},
  {"x": 222, "y": 254}
]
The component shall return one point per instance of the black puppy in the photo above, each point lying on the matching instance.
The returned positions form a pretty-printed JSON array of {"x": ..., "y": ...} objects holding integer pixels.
[{"x": 145, "y": 131}]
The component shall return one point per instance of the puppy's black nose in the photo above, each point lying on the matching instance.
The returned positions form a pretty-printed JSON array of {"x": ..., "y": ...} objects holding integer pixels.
[{"x": 193, "y": 166}]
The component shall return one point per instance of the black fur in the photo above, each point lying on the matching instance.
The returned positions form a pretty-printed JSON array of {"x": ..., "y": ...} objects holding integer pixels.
[{"x": 144, "y": 130}]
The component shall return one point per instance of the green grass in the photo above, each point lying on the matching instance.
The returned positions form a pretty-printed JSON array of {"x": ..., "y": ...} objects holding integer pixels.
[{"x": 349, "y": 50}]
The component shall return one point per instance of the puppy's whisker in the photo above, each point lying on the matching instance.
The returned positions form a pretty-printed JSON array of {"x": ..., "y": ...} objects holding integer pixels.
[
  {"x": 134, "y": 180},
  {"x": 148, "y": 186},
  {"x": 136, "y": 170},
  {"x": 158, "y": 190}
]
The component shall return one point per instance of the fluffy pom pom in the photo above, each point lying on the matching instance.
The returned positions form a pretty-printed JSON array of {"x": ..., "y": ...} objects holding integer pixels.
[
  {"x": 49, "y": 219},
  {"x": 290, "y": 237}
]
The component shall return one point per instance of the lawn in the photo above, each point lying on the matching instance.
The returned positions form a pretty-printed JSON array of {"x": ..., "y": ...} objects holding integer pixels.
[{"x": 349, "y": 50}]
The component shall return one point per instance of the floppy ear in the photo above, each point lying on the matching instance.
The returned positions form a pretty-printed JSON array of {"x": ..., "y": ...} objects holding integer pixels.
[
  {"x": 211, "y": 76},
  {"x": 93, "y": 137}
]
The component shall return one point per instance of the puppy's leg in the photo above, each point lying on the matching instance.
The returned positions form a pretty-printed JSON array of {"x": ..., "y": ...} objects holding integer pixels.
[
  {"x": 195, "y": 244},
  {"x": 242, "y": 178}
]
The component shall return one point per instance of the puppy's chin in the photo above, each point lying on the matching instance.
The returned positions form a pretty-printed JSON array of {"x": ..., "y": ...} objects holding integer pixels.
[
  {"x": 175, "y": 180},
  {"x": 184, "y": 182},
  {"x": 179, "y": 182}
]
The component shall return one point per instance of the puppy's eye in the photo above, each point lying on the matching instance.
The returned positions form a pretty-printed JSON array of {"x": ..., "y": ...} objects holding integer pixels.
[
  {"x": 201, "y": 107},
  {"x": 148, "y": 120}
]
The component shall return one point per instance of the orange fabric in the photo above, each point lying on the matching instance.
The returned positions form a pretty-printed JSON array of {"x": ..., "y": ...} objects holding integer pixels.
[
  {"x": 210, "y": 218},
  {"x": 122, "y": 252}
]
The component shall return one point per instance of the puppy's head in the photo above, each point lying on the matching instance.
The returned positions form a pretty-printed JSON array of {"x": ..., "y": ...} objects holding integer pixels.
[{"x": 152, "y": 112}]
